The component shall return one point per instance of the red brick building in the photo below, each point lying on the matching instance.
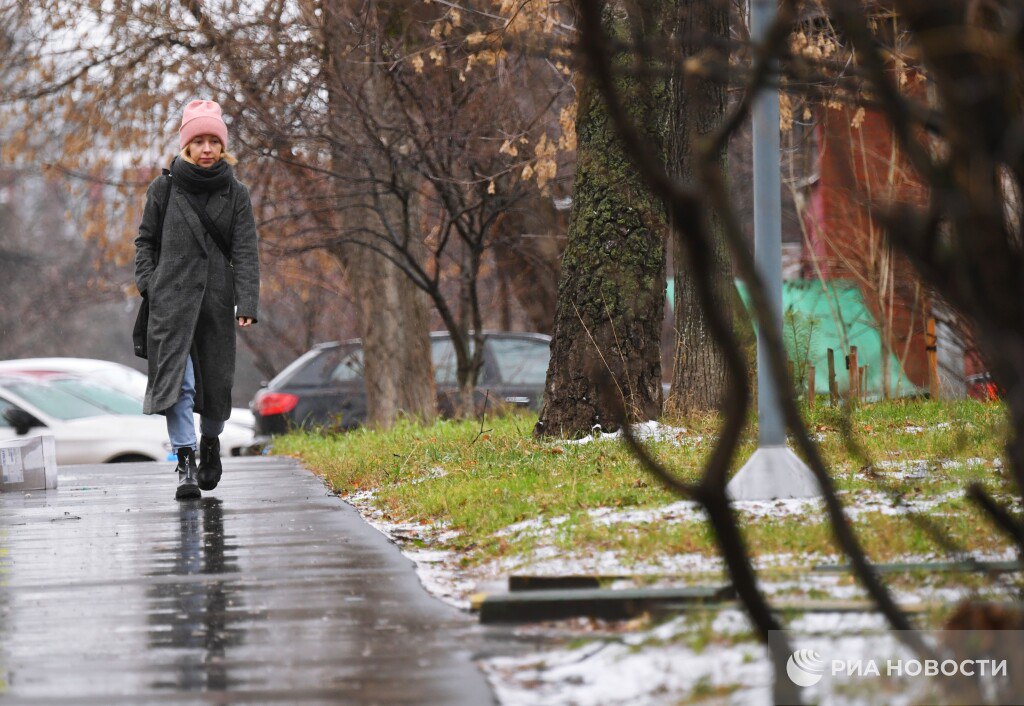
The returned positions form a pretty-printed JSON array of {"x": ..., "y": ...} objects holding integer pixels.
[{"x": 859, "y": 170}]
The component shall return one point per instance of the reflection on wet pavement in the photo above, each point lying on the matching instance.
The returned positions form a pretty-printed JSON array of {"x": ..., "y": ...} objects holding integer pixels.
[
  {"x": 192, "y": 617},
  {"x": 268, "y": 590}
]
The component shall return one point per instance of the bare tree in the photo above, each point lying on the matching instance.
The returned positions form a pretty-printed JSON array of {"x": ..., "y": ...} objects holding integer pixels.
[
  {"x": 397, "y": 129},
  {"x": 438, "y": 159}
]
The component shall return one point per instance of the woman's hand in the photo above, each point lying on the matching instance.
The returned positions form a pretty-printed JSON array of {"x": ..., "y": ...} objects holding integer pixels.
[{"x": 244, "y": 321}]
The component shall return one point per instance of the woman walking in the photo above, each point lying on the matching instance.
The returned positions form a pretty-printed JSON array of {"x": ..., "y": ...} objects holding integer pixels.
[{"x": 196, "y": 263}]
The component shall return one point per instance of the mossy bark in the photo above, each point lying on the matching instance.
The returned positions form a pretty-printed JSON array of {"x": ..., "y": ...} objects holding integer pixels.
[{"x": 605, "y": 350}]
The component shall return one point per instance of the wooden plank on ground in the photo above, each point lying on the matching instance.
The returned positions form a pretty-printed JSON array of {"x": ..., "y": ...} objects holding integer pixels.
[
  {"x": 533, "y": 606},
  {"x": 964, "y": 566},
  {"x": 544, "y": 583},
  {"x": 844, "y": 606},
  {"x": 795, "y": 605}
]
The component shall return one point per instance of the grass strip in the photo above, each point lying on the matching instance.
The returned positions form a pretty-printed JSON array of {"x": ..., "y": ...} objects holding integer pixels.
[{"x": 504, "y": 493}]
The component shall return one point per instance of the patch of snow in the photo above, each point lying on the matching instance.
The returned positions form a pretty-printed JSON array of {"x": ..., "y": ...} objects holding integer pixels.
[
  {"x": 614, "y": 673},
  {"x": 866, "y": 501},
  {"x": 432, "y": 474},
  {"x": 731, "y": 621},
  {"x": 437, "y": 569},
  {"x": 647, "y": 431},
  {"x": 656, "y": 667},
  {"x": 860, "y": 502},
  {"x": 916, "y": 468},
  {"x": 782, "y": 507},
  {"x": 551, "y": 561},
  {"x": 680, "y": 511},
  {"x": 837, "y": 623},
  {"x": 927, "y": 470},
  {"x": 438, "y": 572},
  {"x": 536, "y": 526},
  {"x": 772, "y": 561},
  {"x": 915, "y": 429}
]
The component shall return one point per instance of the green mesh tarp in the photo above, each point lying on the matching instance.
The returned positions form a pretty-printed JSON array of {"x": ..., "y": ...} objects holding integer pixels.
[{"x": 822, "y": 315}]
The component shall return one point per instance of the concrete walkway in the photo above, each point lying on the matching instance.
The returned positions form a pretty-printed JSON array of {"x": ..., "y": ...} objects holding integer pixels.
[{"x": 268, "y": 590}]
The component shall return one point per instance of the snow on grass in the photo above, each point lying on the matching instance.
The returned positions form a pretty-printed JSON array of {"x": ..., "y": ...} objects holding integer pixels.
[
  {"x": 915, "y": 429},
  {"x": 680, "y": 511},
  {"x": 923, "y": 469},
  {"x": 660, "y": 665},
  {"x": 436, "y": 567},
  {"x": 609, "y": 673},
  {"x": 856, "y": 503},
  {"x": 679, "y": 662},
  {"x": 433, "y": 474},
  {"x": 442, "y": 572},
  {"x": 548, "y": 560},
  {"x": 647, "y": 431}
]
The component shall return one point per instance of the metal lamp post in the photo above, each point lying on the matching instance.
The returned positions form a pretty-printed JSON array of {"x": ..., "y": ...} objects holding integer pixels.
[{"x": 773, "y": 471}]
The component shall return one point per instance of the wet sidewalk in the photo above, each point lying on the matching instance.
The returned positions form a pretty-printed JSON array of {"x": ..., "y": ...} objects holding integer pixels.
[{"x": 268, "y": 590}]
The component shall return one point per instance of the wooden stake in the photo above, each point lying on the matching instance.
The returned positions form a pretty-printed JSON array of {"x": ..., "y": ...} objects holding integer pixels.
[
  {"x": 810, "y": 385},
  {"x": 833, "y": 387},
  {"x": 853, "y": 375},
  {"x": 862, "y": 381},
  {"x": 932, "y": 349}
]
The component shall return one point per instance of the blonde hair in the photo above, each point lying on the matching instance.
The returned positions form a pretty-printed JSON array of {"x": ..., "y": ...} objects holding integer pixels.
[{"x": 225, "y": 155}]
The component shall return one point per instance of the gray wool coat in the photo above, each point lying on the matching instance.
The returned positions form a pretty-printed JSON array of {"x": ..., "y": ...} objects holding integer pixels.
[{"x": 195, "y": 294}]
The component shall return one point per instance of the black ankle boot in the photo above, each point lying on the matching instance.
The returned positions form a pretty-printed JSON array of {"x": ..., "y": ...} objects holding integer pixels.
[
  {"x": 209, "y": 462},
  {"x": 188, "y": 488}
]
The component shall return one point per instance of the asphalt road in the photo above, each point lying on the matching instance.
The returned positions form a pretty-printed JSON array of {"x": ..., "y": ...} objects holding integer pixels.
[{"x": 268, "y": 590}]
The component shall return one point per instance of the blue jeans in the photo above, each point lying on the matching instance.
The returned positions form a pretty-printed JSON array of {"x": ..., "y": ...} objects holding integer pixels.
[{"x": 181, "y": 426}]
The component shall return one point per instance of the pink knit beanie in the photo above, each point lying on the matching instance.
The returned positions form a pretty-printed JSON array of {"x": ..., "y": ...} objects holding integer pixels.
[{"x": 202, "y": 118}]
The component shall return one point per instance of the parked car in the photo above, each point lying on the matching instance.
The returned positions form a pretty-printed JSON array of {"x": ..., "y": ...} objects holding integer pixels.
[
  {"x": 981, "y": 386},
  {"x": 325, "y": 388},
  {"x": 123, "y": 381},
  {"x": 84, "y": 432}
]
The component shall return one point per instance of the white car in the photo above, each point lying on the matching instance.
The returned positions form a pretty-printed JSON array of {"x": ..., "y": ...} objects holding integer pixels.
[
  {"x": 83, "y": 431},
  {"x": 238, "y": 433}
]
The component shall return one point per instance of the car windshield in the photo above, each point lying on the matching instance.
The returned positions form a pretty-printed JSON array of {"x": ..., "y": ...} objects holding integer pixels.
[
  {"x": 4, "y": 406},
  {"x": 108, "y": 398},
  {"x": 520, "y": 361},
  {"x": 54, "y": 401},
  {"x": 348, "y": 366},
  {"x": 338, "y": 364},
  {"x": 443, "y": 354}
]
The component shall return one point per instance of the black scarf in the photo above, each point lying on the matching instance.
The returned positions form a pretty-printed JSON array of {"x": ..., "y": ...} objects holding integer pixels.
[
  {"x": 198, "y": 184},
  {"x": 197, "y": 180}
]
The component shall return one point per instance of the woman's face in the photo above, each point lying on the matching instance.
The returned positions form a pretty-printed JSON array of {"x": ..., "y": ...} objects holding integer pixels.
[{"x": 205, "y": 150}]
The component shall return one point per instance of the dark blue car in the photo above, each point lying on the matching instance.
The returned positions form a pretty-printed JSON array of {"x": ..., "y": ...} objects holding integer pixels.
[{"x": 324, "y": 388}]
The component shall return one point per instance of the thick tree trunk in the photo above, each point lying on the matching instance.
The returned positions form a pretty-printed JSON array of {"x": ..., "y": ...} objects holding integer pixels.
[
  {"x": 612, "y": 287},
  {"x": 393, "y": 321},
  {"x": 699, "y": 377},
  {"x": 393, "y": 314}
]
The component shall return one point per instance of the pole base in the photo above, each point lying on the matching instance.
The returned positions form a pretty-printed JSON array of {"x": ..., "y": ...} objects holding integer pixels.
[{"x": 773, "y": 472}]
